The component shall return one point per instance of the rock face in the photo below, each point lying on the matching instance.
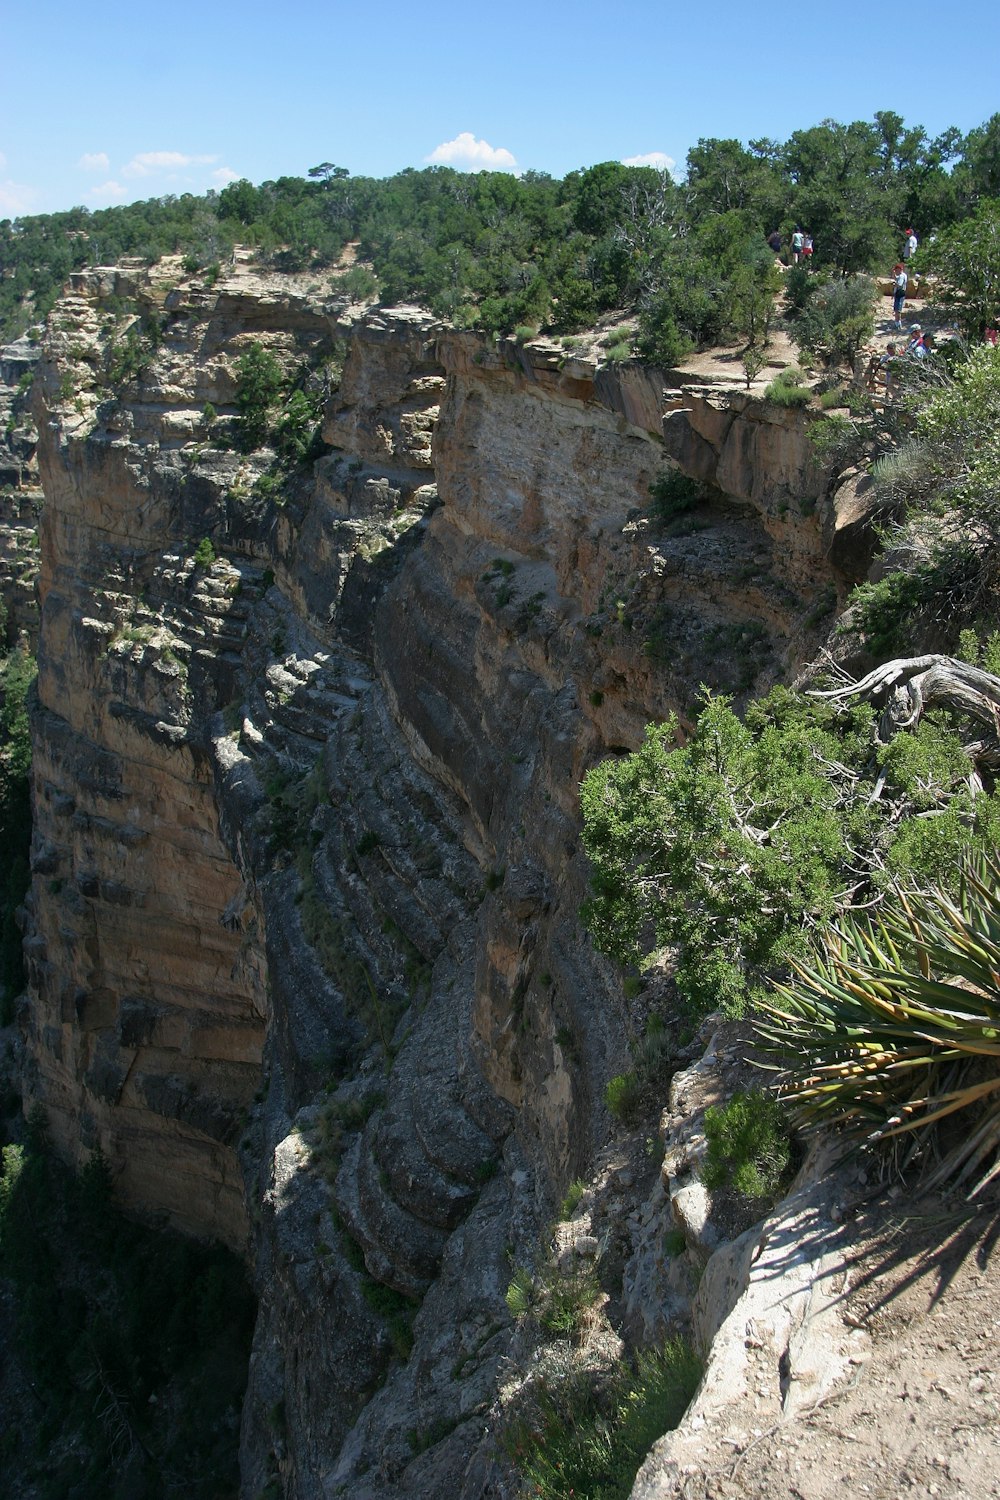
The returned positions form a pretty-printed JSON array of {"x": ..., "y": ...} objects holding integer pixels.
[
  {"x": 304, "y": 949},
  {"x": 20, "y": 495}
]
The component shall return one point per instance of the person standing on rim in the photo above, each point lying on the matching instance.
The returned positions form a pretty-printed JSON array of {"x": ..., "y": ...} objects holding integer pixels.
[{"x": 899, "y": 281}]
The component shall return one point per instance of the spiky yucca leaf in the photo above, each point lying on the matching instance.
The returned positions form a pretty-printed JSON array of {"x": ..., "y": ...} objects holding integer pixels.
[{"x": 893, "y": 1023}]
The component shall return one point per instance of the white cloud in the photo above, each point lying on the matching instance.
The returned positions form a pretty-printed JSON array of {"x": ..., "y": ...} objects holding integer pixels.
[
  {"x": 145, "y": 163},
  {"x": 222, "y": 175},
  {"x": 658, "y": 159},
  {"x": 477, "y": 156},
  {"x": 94, "y": 161},
  {"x": 16, "y": 198},
  {"x": 110, "y": 189}
]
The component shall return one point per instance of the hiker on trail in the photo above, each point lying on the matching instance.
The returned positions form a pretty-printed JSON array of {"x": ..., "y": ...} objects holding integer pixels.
[
  {"x": 807, "y": 247},
  {"x": 774, "y": 240},
  {"x": 888, "y": 373},
  {"x": 909, "y": 244},
  {"x": 798, "y": 240},
  {"x": 916, "y": 348},
  {"x": 899, "y": 281}
]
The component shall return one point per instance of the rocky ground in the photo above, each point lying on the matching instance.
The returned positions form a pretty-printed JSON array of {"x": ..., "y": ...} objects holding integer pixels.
[{"x": 917, "y": 1412}]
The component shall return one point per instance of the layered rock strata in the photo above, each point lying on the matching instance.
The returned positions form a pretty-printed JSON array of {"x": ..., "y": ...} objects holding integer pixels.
[{"x": 303, "y": 939}]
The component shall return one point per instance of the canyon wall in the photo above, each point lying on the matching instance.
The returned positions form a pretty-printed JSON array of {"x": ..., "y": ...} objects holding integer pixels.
[{"x": 303, "y": 938}]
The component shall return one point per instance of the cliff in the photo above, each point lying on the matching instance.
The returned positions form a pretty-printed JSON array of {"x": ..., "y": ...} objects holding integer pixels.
[
  {"x": 304, "y": 952},
  {"x": 20, "y": 492}
]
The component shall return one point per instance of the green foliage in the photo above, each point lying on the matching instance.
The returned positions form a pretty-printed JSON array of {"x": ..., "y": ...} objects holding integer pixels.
[
  {"x": 622, "y": 1095},
  {"x": 673, "y": 493},
  {"x": 496, "y": 251},
  {"x": 571, "y": 1199},
  {"x": 786, "y": 390},
  {"x": 558, "y": 1300},
  {"x": 588, "y": 1437},
  {"x": 837, "y": 396},
  {"x": 360, "y": 284},
  {"x": 127, "y": 358},
  {"x": 204, "y": 553},
  {"x": 136, "y": 1343},
  {"x": 838, "y": 319},
  {"x": 296, "y": 433},
  {"x": 748, "y": 1146},
  {"x": 944, "y": 489},
  {"x": 520, "y": 1294},
  {"x": 753, "y": 360},
  {"x": 719, "y": 847},
  {"x": 725, "y": 848},
  {"x": 17, "y": 674},
  {"x": 966, "y": 258},
  {"x": 891, "y": 1025},
  {"x": 259, "y": 382},
  {"x": 836, "y": 440},
  {"x": 753, "y": 285}
]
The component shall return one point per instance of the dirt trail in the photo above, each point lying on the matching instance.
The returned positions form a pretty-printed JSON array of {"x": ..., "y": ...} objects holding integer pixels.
[{"x": 920, "y": 1416}]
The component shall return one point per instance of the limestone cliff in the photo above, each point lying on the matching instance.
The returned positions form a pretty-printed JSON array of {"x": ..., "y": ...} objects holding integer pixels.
[
  {"x": 20, "y": 494},
  {"x": 303, "y": 941}
]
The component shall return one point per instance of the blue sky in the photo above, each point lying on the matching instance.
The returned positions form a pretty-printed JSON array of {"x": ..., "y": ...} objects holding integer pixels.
[{"x": 100, "y": 105}]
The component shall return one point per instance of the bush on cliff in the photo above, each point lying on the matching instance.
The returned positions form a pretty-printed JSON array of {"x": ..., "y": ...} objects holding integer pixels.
[
  {"x": 259, "y": 382},
  {"x": 17, "y": 673},
  {"x": 889, "y": 1028},
  {"x": 727, "y": 849}
]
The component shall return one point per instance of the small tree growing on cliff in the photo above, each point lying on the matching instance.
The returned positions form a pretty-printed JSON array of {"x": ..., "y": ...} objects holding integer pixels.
[{"x": 259, "y": 381}]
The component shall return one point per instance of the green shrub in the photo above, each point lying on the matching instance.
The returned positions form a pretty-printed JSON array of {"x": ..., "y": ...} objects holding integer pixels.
[
  {"x": 836, "y": 396},
  {"x": 890, "y": 1027},
  {"x": 748, "y": 1146},
  {"x": 622, "y": 1094},
  {"x": 838, "y": 319},
  {"x": 360, "y": 284},
  {"x": 785, "y": 390},
  {"x": 557, "y": 1300},
  {"x": 673, "y": 493},
  {"x": 571, "y": 1199},
  {"x": 296, "y": 432},
  {"x": 590, "y": 1436},
  {"x": 680, "y": 862},
  {"x": 259, "y": 382},
  {"x": 753, "y": 360},
  {"x": 930, "y": 599},
  {"x": 204, "y": 553},
  {"x": 836, "y": 440},
  {"x": 801, "y": 283},
  {"x": 127, "y": 358}
]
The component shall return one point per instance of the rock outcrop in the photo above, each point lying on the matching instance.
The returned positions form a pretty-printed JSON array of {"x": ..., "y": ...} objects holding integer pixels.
[
  {"x": 303, "y": 940},
  {"x": 20, "y": 493}
]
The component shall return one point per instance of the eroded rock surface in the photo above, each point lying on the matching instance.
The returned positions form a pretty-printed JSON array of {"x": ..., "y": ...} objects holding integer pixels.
[{"x": 303, "y": 937}]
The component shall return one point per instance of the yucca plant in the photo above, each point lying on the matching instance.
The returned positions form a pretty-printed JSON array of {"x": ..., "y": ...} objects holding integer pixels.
[{"x": 893, "y": 1024}]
